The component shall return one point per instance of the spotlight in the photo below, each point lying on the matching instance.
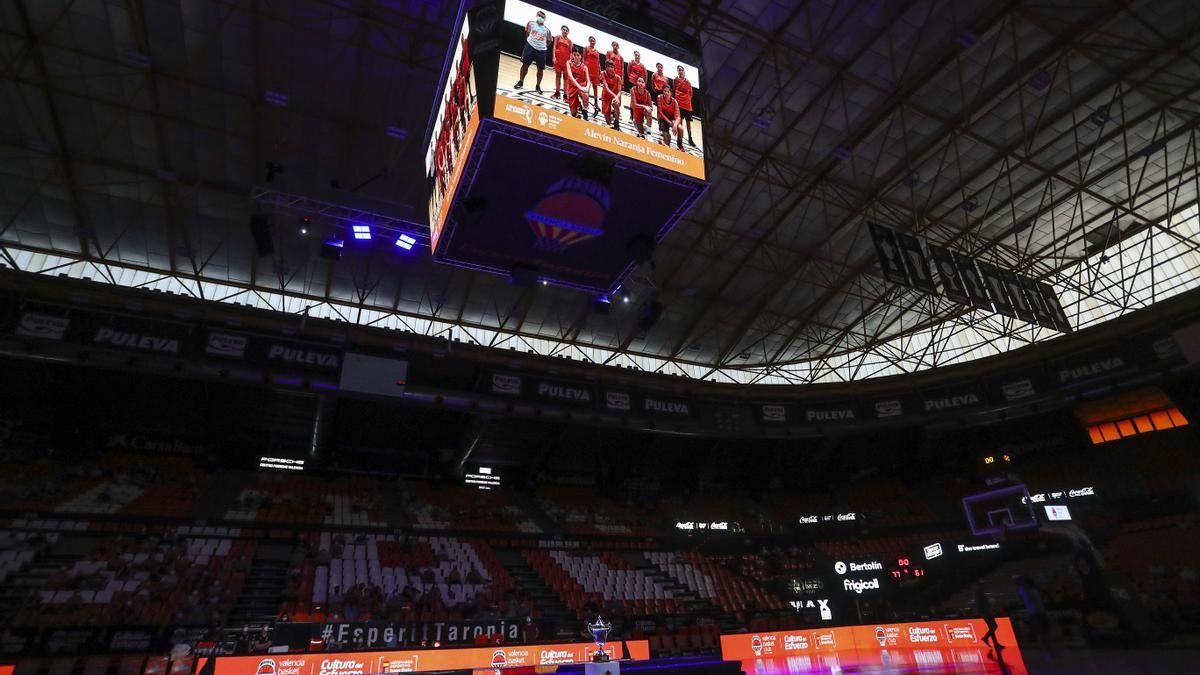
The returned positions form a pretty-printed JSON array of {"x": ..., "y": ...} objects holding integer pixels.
[
  {"x": 544, "y": 282},
  {"x": 361, "y": 232},
  {"x": 405, "y": 242},
  {"x": 625, "y": 298},
  {"x": 305, "y": 222}
]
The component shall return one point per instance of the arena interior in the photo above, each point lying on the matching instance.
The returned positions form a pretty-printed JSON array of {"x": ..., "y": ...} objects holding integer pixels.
[{"x": 915, "y": 358}]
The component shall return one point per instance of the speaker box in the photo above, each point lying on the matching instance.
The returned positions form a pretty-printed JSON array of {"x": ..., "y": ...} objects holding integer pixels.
[{"x": 260, "y": 229}]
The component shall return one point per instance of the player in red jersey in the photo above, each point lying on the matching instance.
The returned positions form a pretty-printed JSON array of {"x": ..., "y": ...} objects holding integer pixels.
[
  {"x": 562, "y": 56},
  {"x": 637, "y": 70},
  {"x": 658, "y": 81},
  {"x": 577, "y": 82},
  {"x": 683, "y": 94},
  {"x": 591, "y": 59},
  {"x": 614, "y": 57},
  {"x": 639, "y": 104},
  {"x": 437, "y": 165},
  {"x": 611, "y": 96},
  {"x": 668, "y": 118}
]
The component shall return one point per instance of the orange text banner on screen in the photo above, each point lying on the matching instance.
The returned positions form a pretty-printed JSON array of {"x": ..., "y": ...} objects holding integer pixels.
[
  {"x": 600, "y": 137},
  {"x": 951, "y": 641},
  {"x": 420, "y": 660}
]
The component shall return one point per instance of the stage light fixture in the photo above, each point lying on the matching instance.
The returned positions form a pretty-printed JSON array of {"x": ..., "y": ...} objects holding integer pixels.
[
  {"x": 361, "y": 232},
  {"x": 405, "y": 242},
  {"x": 305, "y": 223}
]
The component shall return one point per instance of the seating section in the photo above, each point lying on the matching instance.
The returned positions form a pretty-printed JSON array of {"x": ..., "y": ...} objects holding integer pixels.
[
  {"x": 466, "y": 509},
  {"x": 41, "y": 486},
  {"x": 581, "y": 512},
  {"x": 409, "y": 578},
  {"x": 18, "y": 549},
  {"x": 731, "y": 592},
  {"x": 684, "y": 572},
  {"x": 1162, "y": 557},
  {"x": 883, "y": 547},
  {"x": 144, "y": 579},
  {"x": 140, "y": 485},
  {"x": 605, "y": 580},
  {"x": 282, "y": 498}
]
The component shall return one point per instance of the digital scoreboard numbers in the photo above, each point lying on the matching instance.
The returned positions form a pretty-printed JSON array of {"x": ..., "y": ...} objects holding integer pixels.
[{"x": 904, "y": 570}]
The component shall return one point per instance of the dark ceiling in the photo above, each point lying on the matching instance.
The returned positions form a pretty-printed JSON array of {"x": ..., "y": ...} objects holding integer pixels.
[{"x": 1057, "y": 139}]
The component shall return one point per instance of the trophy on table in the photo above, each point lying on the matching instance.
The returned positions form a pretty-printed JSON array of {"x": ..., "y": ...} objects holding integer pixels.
[{"x": 599, "y": 629}]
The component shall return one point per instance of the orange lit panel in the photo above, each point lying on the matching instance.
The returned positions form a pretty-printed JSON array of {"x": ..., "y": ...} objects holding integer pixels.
[
  {"x": 1177, "y": 417},
  {"x": 1097, "y": 437},
  {"x": 1161, "y": 420},
  {"x": 1143, "y": 424},
  {"x": 1109, "y": 431},
  {"x": 1126, "y": 428}
]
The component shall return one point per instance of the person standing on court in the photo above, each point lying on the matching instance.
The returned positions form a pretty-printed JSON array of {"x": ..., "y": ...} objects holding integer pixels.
[
  {"x": 983, "y": 607},
  {"x": 563, "y": 48},
  {"x": 537, "y": 39}
]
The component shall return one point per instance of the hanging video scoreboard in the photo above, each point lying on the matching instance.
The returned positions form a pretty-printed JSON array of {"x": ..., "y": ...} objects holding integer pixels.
[{"x": 564, "y": 144}]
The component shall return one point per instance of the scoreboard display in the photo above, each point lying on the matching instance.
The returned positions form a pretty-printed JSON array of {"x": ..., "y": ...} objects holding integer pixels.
[
  {"x": 610, "y": 68},
  {"x": 452, "y": 130},
  {"x": 563, "y": 146}
]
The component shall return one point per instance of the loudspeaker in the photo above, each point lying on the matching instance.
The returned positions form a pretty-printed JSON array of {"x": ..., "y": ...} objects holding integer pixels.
[{"x": 260, "y": 229}]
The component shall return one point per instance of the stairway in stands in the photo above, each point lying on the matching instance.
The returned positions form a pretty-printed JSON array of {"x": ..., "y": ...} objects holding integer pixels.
[
  {"x": 557, "y": 620},
  {"x": 259, "y": 600},
  {"x": 693, "y": 603}
]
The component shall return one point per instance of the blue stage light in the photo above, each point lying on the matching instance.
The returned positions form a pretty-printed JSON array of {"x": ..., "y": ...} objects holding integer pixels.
[
  {"x": 361, "y": 232},
  {"x": 405, "y": 242}
]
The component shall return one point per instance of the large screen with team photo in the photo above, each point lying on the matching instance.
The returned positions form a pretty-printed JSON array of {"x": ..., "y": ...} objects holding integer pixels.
[
  {"x": 564, "y": 77},
  {"x": 453, "y": 130}
]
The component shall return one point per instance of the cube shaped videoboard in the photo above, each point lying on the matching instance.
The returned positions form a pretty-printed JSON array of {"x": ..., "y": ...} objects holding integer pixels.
[{"x": 563, "y": 146}]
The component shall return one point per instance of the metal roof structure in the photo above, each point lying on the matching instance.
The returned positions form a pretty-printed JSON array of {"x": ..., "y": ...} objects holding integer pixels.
[{"x": 1055, "y": 139}]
